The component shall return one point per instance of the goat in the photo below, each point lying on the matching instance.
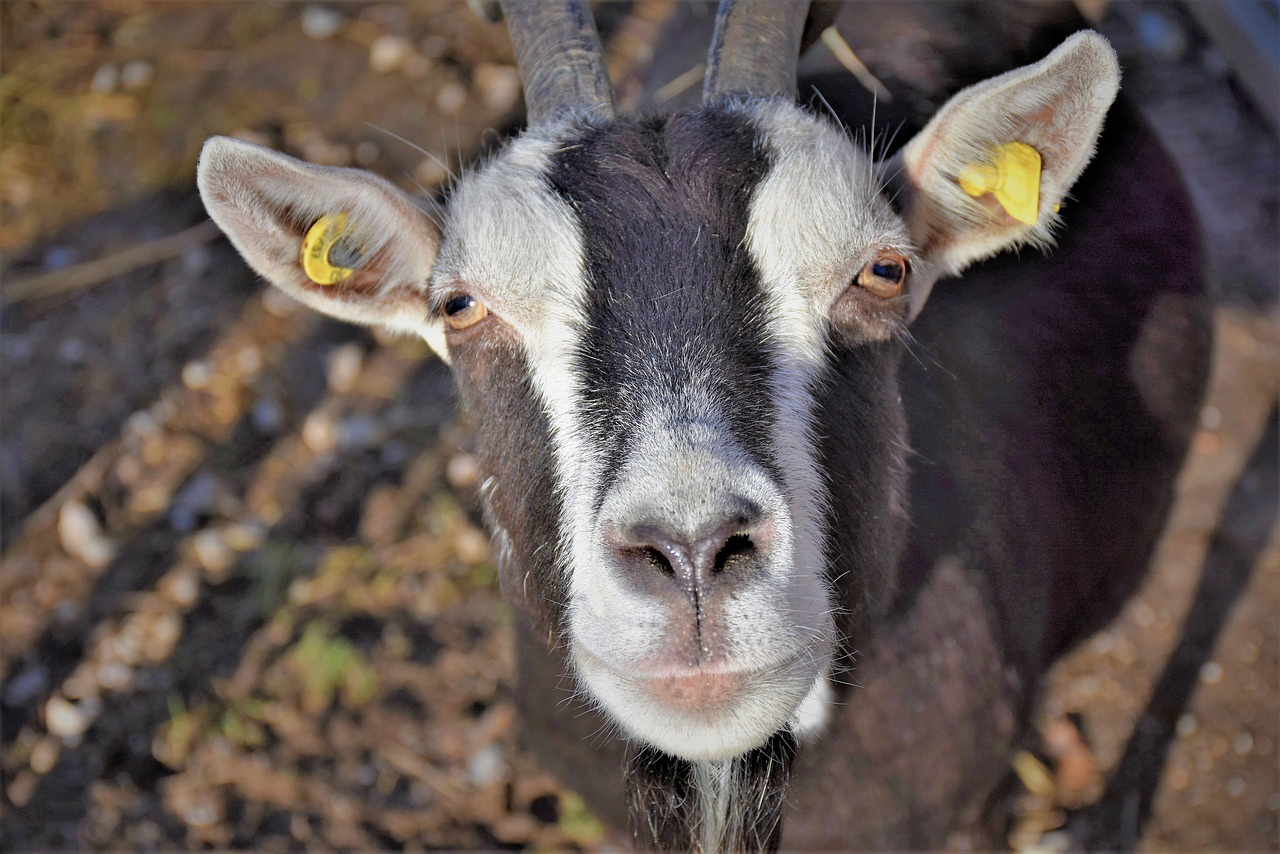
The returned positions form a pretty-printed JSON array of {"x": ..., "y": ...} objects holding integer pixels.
[{"x": 719, "y": 492}]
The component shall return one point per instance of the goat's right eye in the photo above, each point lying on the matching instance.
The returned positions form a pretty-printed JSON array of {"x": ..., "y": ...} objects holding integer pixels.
[{"x": 464, "y": 310}]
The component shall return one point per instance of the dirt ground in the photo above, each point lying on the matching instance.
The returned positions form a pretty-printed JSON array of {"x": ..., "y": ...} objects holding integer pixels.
[{"x": 244, "y": 601}]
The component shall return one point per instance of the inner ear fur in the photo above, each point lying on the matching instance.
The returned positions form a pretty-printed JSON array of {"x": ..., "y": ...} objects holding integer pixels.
[
  {"x": 266, "y": 202},
  {"x": 1056, "y": 106}
]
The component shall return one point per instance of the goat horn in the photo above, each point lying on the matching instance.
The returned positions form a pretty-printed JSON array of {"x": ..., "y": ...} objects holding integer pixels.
[
  {"x": 755, "y": 48},
  {"x": 560, "y": 58}
]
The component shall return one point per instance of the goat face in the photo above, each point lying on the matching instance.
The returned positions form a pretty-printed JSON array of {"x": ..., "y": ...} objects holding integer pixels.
[
  {"x": 678, "y": 339},
  {"x": 656, "y": 306}
]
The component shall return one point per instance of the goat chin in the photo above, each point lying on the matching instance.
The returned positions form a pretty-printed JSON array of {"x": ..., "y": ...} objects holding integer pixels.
[{"x": 713, "y": 716}]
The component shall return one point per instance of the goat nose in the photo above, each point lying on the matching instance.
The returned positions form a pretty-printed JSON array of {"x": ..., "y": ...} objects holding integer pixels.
[{"x": 723, "y": 549}]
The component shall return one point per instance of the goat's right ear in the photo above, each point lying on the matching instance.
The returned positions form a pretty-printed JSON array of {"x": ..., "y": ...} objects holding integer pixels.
[{"x": 343, "y": 241}]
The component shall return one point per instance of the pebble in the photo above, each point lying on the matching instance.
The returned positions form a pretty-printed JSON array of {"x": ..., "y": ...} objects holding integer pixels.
[
  {"x": 358, "y": 431},
  {"x": 1243, "y": 744},
  {"x": 105, "y": 79},
  {"x": 82, "y": 536},
  {"x": 1235, "y": 787},
  {"x": 180, "y": 587},
  {"x": 212, "y": 552},
  {"x": 471, "y": 546},
  {"x": 1210, "y": 417},
  {"x": 114, "y": 675},
  {"x": 1187, "y": 724},
  {"x": 196, "y": 374},
  {"x": 26, "y": 686},
  {"x": 388, "y": 53},
  {"x": 44, "y": 755},
  {"x": 244, "y": 536},
  {"x": 366, "y": 153},
  {"x": 497, "y": 85},
  {"x": 451, "y": 98},
  {"x": 65, "y": 719},
  {"x": 485, "y": 766},
  {"x": 266, "y": 416},
  {"x": 248, "y": 360},
  {"x": 344, "y": 367},
  {"x": 462, "y": 471},
  {"x": 137, "y": 75},
  {"x": 165, "y": 631},
  {"x": 320, "y": 23},
  {"x": 1211, "y": 673},
  {"x": 319, "y": 433}
]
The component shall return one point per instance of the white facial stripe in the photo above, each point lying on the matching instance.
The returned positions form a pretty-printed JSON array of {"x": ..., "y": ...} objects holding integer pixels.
[{"x": 519, "y": 247}]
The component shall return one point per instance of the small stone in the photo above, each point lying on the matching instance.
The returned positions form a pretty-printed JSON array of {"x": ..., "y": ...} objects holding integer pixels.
[
  {"x": 266, "y": 416},
  {"x": 105, "y": 79},
  {"x": 65, "y": 719},
  {"x": 137, "y": 75},
  {"x": 388, "y": 53},
  {"x": 497, "y": 85},
  {"x": 196, "y": 374},
  {"x": 1235, "y": 787},
  {"x": 180, "y": 587},
  {"x": 1187, "y": 724},
  {"x": 1211, "y": 673},
  {"x": 244, "y": 536},
  {"x": 319, "y": 433},
  {"x": 26, "y": 686},
  {"x": 430, "y": 172},
  {"x": 471, "y": 546},
  {"x": 212, "y": 552},
  {"x": 44, "y": 755},
  {"x": 1243, "y": 744},
  {"x": 1210, "y": 417},
  {"x": 366, "y": 153},
  {"x": 114, "y": 676},
  {"x": 462, "y": 471},
  {"x": 358, "y": 431},
  {"x": 22, "y": 788},
  {"x": 344, "y": 368},
  {"x": 163, "y": 635},
  {"x": 248, "y": 360},
  {"x": 485, "y": 766},
  {"x": 82, "y": 536},
  {"x": 319, "y": 23},
  {"x": 451, "y": 98}
]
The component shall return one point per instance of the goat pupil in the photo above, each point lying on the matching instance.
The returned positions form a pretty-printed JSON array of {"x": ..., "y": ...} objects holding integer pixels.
[
  {"x": 887, "y": 270},
  {"x": 458, "y": 304}
]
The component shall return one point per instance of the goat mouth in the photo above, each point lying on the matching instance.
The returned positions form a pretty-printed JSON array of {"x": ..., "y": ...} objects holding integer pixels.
[{"x": 701, "y": 714}]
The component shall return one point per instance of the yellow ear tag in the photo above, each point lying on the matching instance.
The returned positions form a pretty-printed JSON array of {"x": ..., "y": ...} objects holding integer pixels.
[
  {"x": 1013, "y": 177},
  {"x": 318, "y": 246}
]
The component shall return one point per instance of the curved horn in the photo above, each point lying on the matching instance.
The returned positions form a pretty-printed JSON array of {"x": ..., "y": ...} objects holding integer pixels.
[
  {"x": 755, "y": 48},
  {"x": 559, "y": 55}
]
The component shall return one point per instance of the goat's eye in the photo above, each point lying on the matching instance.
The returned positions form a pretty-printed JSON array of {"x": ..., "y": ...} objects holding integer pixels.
[
  {"x": 885, "y": 275},
  {"x": 464, "y": 310}
]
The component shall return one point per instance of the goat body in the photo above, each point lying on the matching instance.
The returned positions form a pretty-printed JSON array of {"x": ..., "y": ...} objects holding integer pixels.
[{"x": 733, "y": 462}]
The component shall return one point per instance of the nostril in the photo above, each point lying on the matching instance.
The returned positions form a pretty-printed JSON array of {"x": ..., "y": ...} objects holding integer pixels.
[
  {"x": 655, "y": 559},
  {"x": 736, "y": 550}
]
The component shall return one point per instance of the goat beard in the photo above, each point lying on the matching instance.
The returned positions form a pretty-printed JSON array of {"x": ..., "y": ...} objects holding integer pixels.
[{"x": 723, "y": 805}]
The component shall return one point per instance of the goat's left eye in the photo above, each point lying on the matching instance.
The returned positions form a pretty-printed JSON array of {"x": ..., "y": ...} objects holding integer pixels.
[
  {"x": 885, "y": 275},
  {"x": 464, "y": 310}
]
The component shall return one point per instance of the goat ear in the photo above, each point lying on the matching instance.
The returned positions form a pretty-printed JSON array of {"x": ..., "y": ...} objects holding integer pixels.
[
  {"x": 343, "y": 241},
  {"x": 990, "y": 169}
]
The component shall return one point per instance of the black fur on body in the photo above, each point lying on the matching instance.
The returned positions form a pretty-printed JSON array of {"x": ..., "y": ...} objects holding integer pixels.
[{"x": 1048, "y": 402}]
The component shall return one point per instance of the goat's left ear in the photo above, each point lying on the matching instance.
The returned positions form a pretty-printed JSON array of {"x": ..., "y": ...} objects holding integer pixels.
[{"x": 990, "y": 169}]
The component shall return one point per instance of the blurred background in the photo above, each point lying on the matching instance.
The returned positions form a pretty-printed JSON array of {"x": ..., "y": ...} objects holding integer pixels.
[{"x": 244, "y": 600}]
